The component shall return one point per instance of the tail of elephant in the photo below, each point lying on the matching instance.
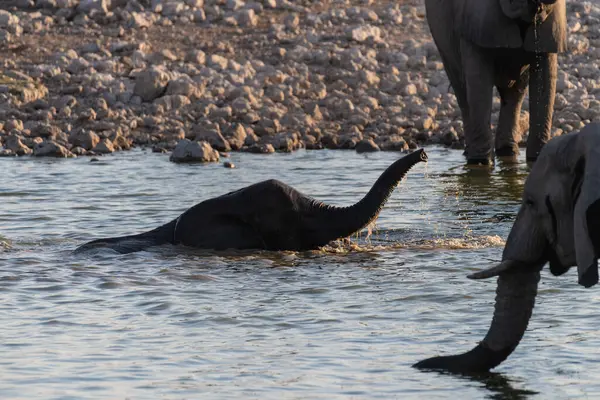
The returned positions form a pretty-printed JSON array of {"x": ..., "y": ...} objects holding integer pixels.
[{"x": 128, "y": 244}]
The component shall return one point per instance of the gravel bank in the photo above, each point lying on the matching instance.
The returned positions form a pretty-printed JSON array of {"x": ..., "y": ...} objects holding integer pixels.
[{"x": 89, "y": 77}]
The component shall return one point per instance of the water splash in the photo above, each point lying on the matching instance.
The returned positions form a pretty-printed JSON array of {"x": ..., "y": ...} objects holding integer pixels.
[
  {"x": 5, "y": 244},
  {"x": 467, "y": 242}
]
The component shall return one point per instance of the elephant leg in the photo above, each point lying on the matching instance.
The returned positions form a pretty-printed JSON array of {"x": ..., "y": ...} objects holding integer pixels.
[
  {"x": 478, "y": 65},
  {"x": 508, "y": 133},
  {"x": 542, "y": 89},
  {"x": 441, "y": 22}
]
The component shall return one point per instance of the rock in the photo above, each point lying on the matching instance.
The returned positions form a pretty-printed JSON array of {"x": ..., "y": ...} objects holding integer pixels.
[
  {"x": 49, "y": 148},
  {"x": 234, "y": 4},
  {"x": 151, "y": 83},
  {"x": 172, "y": 8},
  {"x": 85, "y": 139},
  {"x": 237, "y": 137},
  {"x": 410, "y": 90},
  {"x": 218, "y": 62},
  {"x": 196, "y": 57},
  {"x": 8, "y": 19},
  {"x": 251, "y": 139},
  {"x": 450, "y": 137},
  {"x": 45, "y": 131},
  {"x": 364, "y": 33},
  {"x": 212, "y": 136},
  {"x": 524, "y": 121},
  {"x": 223, "y": 112},
  {"x": 394, "y": 143},
  {"x": 366, "y": 146},
  {"x": 188, "y": 151},
  {"x": 119, "y": 141},
  {"x": 426, "y": 123},
  {"x": 246, "y": 18},
  {"x": 13, "y": 124},
  {"x": 183, "y": 86},
  {"x": 79, "y": 151},
  {"x": 285, "y": 142},
  {"x": 195, "y": 3},
  {"x": 87, "y": 6},
  {"x": 105, "y": 146},
  {"x": 14, "y": 144},
  {"x": 264, "y": 148},
  {"x": 228, "y": 164},
  {"x": 78, "y": 65},
  {"x": 292, "y": 22},
  {"x": 6, "y": 152},
  {"x": 138, "y": 20},
  {"x": 199, "y": 15},
  {"x": 172, "y": 102}
]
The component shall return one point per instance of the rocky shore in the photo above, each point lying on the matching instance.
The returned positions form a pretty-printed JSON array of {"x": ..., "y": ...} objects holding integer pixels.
[{"x": 196, "y": 78}]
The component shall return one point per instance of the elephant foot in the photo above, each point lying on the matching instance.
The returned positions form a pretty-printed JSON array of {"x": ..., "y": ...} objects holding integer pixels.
[
  {"x": 508, "y": 155},
  {"x": 507, "y": 151},
  {"x": 531, "y": 159},
  {"x": 483, "y": 162}
]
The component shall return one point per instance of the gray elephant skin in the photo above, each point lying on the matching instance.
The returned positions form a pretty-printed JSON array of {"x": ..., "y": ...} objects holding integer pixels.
[
  {"x": 268, "y": 215},
  {"x": 558, "y": 223},
  {"x": 509, "y": 44}
]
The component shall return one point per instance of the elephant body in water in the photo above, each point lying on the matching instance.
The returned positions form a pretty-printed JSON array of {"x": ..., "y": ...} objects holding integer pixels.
[
  {"x": 509, "y": 44},
  {"x": 268, "y": 215},
  {"x": 559, "y": 223}
]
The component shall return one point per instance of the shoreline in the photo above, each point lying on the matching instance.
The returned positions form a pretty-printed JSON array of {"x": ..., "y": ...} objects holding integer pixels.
[{"x": 92, "y": 77}]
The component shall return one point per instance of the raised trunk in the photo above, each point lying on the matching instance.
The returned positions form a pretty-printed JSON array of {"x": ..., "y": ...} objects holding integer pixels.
[
  {"x": 339, "y": 222},
  {"x": 515, "y": 298}
]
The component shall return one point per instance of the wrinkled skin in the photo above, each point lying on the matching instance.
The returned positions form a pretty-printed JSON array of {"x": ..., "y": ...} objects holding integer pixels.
[
  {"x": 558, "y": 223},
  {"x": 268, "y": 215},
  {"x": 509, "y": 44}
]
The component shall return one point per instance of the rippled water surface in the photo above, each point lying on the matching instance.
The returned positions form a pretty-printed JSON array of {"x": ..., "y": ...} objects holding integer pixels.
[{"x": 338, "y": 323}]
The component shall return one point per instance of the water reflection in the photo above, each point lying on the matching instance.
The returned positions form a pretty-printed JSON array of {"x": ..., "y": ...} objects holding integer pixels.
[{"x": 500, "y": 387}]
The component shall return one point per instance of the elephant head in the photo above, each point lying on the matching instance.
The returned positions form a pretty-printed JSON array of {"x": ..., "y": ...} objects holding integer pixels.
[
  {"x": 559, "y": 223},
  {"x": 535, "y": 25}
]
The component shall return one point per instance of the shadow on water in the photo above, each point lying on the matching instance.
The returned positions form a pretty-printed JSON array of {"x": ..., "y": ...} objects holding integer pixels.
[{"x": 499, "y": 386}]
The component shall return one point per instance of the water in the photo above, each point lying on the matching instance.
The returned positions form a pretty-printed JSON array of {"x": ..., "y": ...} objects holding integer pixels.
[{"x": 346, "y": 322}]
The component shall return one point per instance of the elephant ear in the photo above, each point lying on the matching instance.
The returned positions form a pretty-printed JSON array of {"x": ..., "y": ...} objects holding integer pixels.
[
  {"x": 551, "y": 27},
  {"x": 483, "y": 23},
  {"x": 587, "y": 206}
]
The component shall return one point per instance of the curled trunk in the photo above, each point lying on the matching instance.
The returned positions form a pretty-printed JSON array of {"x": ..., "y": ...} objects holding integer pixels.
[
  {"x": 515, "y": 299},
  {"x": 333, "y": 223}
]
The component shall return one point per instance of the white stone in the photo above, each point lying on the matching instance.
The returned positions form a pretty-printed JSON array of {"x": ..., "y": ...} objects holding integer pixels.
[
  {"x": 188, "y": 151},
  {"x": 364, "y": 33}
]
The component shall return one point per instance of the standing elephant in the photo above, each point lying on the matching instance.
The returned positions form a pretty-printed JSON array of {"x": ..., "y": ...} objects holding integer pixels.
[
  {"x": 510, "y": 44},
  {"x": 559, "y": 223}
]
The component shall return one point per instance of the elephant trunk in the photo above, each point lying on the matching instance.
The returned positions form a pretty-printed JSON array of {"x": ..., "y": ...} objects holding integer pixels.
[
  {"x": 515, "y": 299},
  {"x": 542, "y": 91},
  {"x": 339, "y": 222}
]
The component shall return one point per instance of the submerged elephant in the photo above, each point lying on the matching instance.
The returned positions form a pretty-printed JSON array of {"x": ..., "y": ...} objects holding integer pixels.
[
  {"x": 268, "y": 215},
  {"x": 559, "y": 223},
  {"x": 510, "y": 44}
]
